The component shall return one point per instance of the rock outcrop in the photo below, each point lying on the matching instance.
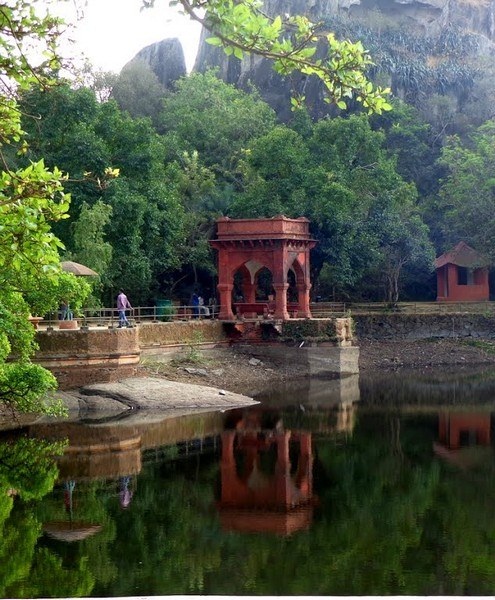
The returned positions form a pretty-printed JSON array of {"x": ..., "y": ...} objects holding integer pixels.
[
  {"x": 150, "y": 394},
  {"x": 165, "y": 59},
  {"x": 421, "y": 49}
]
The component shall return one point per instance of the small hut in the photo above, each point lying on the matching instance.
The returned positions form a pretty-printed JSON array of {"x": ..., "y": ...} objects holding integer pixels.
[{"x": 462, "y": 275}]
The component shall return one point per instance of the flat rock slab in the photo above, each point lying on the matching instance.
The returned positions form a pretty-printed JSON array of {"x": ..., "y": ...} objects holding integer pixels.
[{"x": 158, "y": 394}]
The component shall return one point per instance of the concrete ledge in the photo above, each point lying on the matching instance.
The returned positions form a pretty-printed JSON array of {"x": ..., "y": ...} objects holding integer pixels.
[
  {"x": 72, "y": 324},
  {"x": 316, "y": 361},
  {"x": 194, "y": 331},
  {"x": 77, "y": 357}
]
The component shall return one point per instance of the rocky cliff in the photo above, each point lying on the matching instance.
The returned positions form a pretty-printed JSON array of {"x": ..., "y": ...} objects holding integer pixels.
[
  {"x": 165, "y": 59},
  {"x": 424, "y": 50}
]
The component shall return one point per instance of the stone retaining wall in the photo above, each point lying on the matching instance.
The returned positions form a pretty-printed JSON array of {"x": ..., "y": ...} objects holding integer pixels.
[
  {"x": 181, "y": 332},
  {"x": 79, "y": 357},
  {"x": 418, "y": 327}
]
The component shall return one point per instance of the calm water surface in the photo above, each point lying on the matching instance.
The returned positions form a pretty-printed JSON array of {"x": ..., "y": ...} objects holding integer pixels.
[{"x": 365, "y": 486}]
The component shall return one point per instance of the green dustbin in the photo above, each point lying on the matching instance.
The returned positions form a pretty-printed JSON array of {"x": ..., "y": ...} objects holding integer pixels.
[{"x": 164, "y": 310}]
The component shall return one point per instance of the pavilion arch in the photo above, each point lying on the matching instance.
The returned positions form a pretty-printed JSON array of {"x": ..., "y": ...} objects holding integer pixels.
[
  {"x": 292, "y": 291},
  {"x": 246, "y": 280},
  {"x": 249, "y": 245},
  {"x": 264, "y": 290}
]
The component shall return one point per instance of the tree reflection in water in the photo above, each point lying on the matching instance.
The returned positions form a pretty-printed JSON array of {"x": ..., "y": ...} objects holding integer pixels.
[
  {"x": 301, "y": 498},
  {"x": 27, "y": 473}
]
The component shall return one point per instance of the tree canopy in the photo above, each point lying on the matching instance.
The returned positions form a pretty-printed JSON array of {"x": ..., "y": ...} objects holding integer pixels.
[
  {"x": 31, "y": 199},
  {"x": 466, "y": 197}
]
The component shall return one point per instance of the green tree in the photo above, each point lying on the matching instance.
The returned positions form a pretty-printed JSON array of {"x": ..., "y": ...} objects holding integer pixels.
[
  {"x": 28, "y": 473},
  {"x": 405, "y": 241},
  {"x": 90, "y": 245},
  {"x": 44, "y": 295},
  {"x": 138, "y": 91},
  {"x": 417, "y": 147},
  {"x": 147, "y": 220},
  {"x": 342, "y": 178},
  {"x": 376, "y": 197},
  {"x": 31, "y": 199},
  {"x": 466, "y": 197},
  {"x": 213, "y": 118}
]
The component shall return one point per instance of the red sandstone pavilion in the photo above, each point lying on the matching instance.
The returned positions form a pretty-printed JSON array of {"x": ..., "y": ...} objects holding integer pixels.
[{"x": 249, "y": 246}]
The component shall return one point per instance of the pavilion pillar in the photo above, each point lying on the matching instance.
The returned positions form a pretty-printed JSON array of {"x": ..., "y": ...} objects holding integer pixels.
[
  {"x": 249, "y": 291},
  {"x": 281, "y": 311},
  {"x": 303, "y": 290},
  {"x": 280, "y": 284},
  {"x": 225, "y": 295}
]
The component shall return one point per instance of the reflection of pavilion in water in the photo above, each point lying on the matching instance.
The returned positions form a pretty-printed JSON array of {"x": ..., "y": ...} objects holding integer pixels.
[
  {"x": 464, "y": 438},
  {"x": 266, "y": 477},
  {"x": 276, "y": 469}
]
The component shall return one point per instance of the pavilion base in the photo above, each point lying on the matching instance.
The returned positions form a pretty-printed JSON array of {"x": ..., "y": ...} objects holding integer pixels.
[
  {"x": 317, "y": 347},
  {"x": 317, "y": 360}
]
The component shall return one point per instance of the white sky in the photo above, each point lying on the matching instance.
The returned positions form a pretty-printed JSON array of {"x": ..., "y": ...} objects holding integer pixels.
[{"x": 111, "y": 32}]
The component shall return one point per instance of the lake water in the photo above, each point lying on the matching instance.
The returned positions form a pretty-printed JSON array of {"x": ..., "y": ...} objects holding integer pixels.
[{"x": 368, "y": 486}]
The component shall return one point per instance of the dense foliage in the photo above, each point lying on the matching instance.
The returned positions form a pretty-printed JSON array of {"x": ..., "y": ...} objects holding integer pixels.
[
  {"x": 130, "y": 181},
  {"x": 31, "y": 199},
  {"x": 219, "y": 151}
]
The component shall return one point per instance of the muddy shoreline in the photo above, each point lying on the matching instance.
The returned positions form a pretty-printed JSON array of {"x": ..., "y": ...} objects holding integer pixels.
[
  {"x": 226, "y": 370},
  {"x": 449, "y": 354},
  {"x": 239, "y": 373}
]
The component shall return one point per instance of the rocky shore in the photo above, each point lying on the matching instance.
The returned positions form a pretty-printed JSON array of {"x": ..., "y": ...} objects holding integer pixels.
[
  {"x": 151, "y": 394},
  {"x": 225, "y": 378},
  {"x": 248, "y": 375}
]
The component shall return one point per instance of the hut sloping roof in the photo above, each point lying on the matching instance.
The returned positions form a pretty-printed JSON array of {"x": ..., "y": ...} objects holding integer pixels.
[{"x": 462, "y": 255}]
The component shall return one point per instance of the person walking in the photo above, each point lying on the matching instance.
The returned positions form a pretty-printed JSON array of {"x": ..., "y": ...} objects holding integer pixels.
[{"x": 122, "y": 305}]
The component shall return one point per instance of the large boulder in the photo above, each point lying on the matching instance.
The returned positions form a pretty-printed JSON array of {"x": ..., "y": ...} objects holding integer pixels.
[{"x": 165, "y": 59}]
